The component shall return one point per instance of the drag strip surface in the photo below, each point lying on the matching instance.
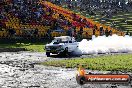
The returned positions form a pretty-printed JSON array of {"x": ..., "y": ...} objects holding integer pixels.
[{"x": 22, "y": 70}]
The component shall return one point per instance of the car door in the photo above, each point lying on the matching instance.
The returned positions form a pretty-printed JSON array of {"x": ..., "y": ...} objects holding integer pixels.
[{"x": 72, "y": 45}]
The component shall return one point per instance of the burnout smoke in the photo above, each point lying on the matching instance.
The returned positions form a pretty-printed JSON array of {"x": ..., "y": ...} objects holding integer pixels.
[{"x": 103, "y": 44}]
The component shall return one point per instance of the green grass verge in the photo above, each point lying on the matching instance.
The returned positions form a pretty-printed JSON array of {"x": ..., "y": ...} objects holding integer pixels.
[
  {"x": 105, "y": 63},
  {"x": 38, "y": 47}
]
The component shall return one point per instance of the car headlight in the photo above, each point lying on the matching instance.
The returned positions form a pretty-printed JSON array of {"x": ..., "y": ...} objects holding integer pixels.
[
  {"x": 60, "y": 46},
  {"x": 46, "y": 47}
]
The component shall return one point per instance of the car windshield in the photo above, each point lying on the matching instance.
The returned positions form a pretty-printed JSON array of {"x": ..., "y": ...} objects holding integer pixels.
[{"x": 59, "y": 40}]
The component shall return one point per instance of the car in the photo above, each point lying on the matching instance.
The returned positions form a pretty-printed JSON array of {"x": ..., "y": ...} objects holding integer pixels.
[{"x": 61, "y": 45}]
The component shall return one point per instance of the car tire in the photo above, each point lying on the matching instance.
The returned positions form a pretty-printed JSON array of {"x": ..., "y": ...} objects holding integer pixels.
[
  {"x": 66, "y": 52},
  {"x": 48, "y": 54}
]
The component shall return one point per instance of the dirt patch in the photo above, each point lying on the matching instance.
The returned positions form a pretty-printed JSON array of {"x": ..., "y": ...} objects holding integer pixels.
[{"x": 19, "y": 70}]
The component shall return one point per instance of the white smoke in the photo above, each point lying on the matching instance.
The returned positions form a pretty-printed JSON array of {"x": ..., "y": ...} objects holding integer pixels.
[{"x": 103, "y": 44}]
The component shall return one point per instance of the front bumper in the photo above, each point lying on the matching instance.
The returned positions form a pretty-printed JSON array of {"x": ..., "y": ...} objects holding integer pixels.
[{"x": 54, "y": 50}]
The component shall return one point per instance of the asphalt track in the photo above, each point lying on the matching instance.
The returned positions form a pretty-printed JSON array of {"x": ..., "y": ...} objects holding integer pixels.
[{"x": 22, "y": 70}]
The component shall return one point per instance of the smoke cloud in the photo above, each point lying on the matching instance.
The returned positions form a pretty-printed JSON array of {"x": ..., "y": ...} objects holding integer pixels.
[{"x": 103, "y": 44}]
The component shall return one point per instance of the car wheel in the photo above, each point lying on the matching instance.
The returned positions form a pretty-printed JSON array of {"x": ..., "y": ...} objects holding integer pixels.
[
  {"x": 66, "y": 52},
  {"x": 48, "y": 54}
]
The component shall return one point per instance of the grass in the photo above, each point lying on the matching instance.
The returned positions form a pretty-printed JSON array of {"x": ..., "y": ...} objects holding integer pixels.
[
  {"x": 106, "y": 63},
  {"x": 38, "y": 47},
  {"x": 30, "y": 45}
]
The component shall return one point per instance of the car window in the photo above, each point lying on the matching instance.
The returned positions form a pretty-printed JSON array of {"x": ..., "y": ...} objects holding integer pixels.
[
  {"x": 65, "y": 41},
  {"x": 70, "y": 41},
  {"x": 56, "y": 41}
]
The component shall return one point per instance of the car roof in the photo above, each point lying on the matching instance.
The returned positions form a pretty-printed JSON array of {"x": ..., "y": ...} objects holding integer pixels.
[
  {"x": 58, "y": 31},
  {"x": 63, "y": 37}
]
